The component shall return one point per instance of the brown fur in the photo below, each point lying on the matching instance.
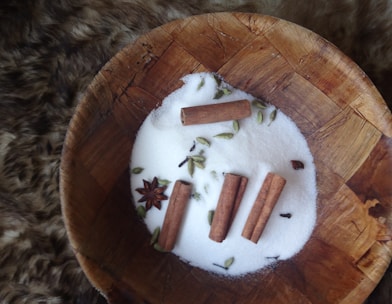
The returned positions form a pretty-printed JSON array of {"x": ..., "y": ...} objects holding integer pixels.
[{"x": 50, "y": 51}]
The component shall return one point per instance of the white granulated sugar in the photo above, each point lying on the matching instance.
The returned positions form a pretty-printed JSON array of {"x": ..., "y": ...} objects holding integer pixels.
[{"x": 162, "y": 143}]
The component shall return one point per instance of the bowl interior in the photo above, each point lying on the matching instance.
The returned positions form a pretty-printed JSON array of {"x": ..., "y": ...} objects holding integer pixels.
[{"x": 344, "y": 119}]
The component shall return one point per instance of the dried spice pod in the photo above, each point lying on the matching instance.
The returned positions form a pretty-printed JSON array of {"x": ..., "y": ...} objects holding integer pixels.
[
  {"x": 199, "y": 165},
  {"x": 141, "y": 211},
  {"x": 272, "y": 116},
  {"x": 137, "y": 170},
  {"x": 163, "y": 182},
  {"x": 201, "y": 84},
  {"x": 259, "y": 104},
  {"x": 226, "y": 135},
  {"x": 191, "y": 167},
  {"x": 155, "y": 235},
  {"x": 183, "y": 162},
  {"x": 198, "y": 158},
  {"x": 203, "y": 141},
  {"x": 259, "y": 117},
  {"x": 210, "y": 216},
  {"x": 228, "y": 262},
  {"x": 236, "y": 125},
  {"x": 297, "y": 164}
]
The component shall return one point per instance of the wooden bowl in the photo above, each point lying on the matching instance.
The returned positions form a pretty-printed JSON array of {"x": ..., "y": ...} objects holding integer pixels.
[{"x": 343, "y": 117}]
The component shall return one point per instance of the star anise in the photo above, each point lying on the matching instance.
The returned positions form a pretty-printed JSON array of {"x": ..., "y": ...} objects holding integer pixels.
[{"x": 152, "y": 193}]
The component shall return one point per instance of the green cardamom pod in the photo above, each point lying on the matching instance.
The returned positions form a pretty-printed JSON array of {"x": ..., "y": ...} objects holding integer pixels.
[
  {"x": 259, "y": 117},
  {"x": 214, "y": 174},
  {"x": 157, "y": 247},
  {"x": 198, "y": 158},
  {"x": 198, "y": 164},
  {"x": 218, "y": 80},
  {"x": 224, "y": 135},
  {"x": 191, "y": 168},
  {"x": 236, "y": 125},
  {"x": 141, "y": 211},
  {"x": 210, "y": 216},
  {"x": 137, "y": 170},
  {"x": 228, "y": 262},
  {"x": 201, "y": 84},
  {"x": 196, "y": 196},
  {"x": 163, "y": 182},
  {"x": 226, "y": 91},
  {"x": 272, "y": 116},
  {"x": 155, "y": 235},
  {"x": 219, "y": 94},
  {"x": 259, "y": 104},
  {"x": 203, "y": 141}
]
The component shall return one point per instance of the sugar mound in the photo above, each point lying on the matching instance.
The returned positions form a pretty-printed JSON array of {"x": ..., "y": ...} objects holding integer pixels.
[{"x": 162, "y": 143}]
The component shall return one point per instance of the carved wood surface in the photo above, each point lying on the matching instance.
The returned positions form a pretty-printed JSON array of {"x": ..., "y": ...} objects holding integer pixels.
[{"x": 343, "y": 117}]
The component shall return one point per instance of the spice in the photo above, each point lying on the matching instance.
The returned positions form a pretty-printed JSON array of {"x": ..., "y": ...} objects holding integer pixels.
[
  {"x": 221, "y": 92},
  {"x": 162, "y": 142},
  {"x": 236, "y": 125},
  {"x": 217, "y": 112},
  {"x": 228, "y": 262},
  {"x": 155, "y": 235},
  {"x": 259, "y": 117},
  {"x": 297, "y": 164},
  {"x": 229, "y": 201},
  {"x": 137, "y": 170},
  {"x": 203, "y": 141},
  {"x": 206, "y": 187},
  {"x": 201, "y": 84},
  {"x": 198, "y": 158},
  {"x": 217, "y": 79},
  {"x": 193, "y": 147},
  {"x": 183, "y": 162},
  {"x": 141, "y": 211},
  {"x": 262, "y": 208},
  {"x": 259, "y": 104},
  {"x": 163, "y": 182},
  {"x": 174, "y": 213},
  {"x": 272, "y": 116},
  {"x": 226, "y": 265},
  {"x": 218, "y": 94},
  {"x": 198, "y": 164},
  {"x": 191, "y": 167},
  {"x": 195, "y": 161},
  {"x": 226, "y": 135},
  {"x": 210, "y": 216},
  {"x": 273, "y": 257},
  {"x": 152, "y": 194},
  {"x": 196, "y": 196},
  {"x": 159, "y": 248},
  {"x": 214, "y": 174}
]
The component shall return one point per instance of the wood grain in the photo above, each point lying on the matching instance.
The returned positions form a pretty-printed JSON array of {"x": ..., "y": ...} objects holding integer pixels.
[{"x": 344, "y": 119}]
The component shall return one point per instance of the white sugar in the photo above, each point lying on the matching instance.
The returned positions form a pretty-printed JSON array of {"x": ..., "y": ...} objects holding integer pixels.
[{"x": 162, "y": 143}]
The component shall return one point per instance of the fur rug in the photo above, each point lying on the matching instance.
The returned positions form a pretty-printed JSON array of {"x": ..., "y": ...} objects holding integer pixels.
[{"x": 49, "y": 53}]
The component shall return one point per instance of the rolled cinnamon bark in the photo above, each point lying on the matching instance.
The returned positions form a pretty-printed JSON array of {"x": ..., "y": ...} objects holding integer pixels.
[
  {"x": 215, "y": 112},
  {"x": 174, "y": 214},
  {"x": 229, "y": 201},
  {"x": 262, "y": 208}
]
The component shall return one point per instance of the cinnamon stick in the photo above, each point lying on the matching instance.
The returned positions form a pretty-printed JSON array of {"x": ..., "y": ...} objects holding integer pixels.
[
  {"x": 262, "y": 208},
  {"x": 229, "y": 201},
  {"x": 174, "y": 214},
  {"x": 215, "y": 112}
]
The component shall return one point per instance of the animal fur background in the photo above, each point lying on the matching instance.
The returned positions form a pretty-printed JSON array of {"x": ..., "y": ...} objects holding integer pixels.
[{"x": 50, "y": 51}]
